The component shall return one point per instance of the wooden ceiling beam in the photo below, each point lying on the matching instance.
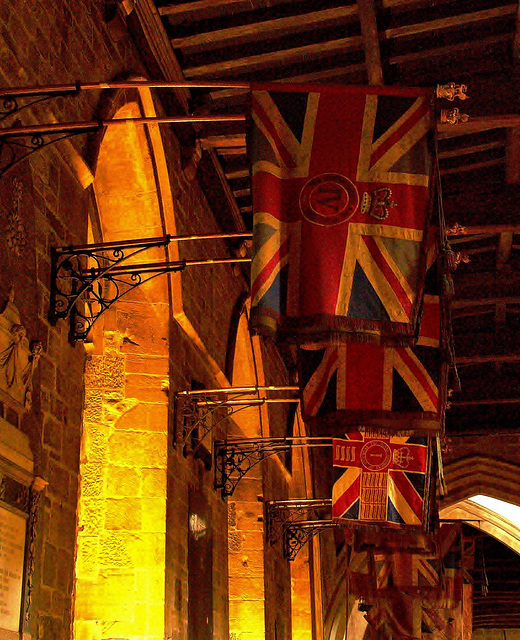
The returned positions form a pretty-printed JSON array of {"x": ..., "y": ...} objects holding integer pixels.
[
  {"x": 479, "y": 302},
  {"x": 516, "y": 41},
  {"x": 513, "y": 156},
  {"x": 479, "y": 124},
  {"x": 225, "y": 140},
  {"x": 475, "y": 166},
  {"x": 274, "y": 58},
  {"x": 203, "y": 9},
  {"x": 487, "y": 359},
  {"x": 451, "y": 21},
  {"x": 262, "y": 30},
  {"x": 447, "y": 52},
  {"x": 369, "y": 31},
  {"x": 466, "y": 151},
  {"x": 484, "y": 229}
]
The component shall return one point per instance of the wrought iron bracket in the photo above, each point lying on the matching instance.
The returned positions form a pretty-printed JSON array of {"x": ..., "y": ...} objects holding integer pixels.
[
  {"x": 87, "y": 280},
  {"x": 234, "y": 459},
  {"x": 297, "y": 534},
  {"x": 280, "y": 513},
  {"x": 14, "y": 148},
  {"x": 192, "y": 413},
  {"x": 196, "y": 411}
]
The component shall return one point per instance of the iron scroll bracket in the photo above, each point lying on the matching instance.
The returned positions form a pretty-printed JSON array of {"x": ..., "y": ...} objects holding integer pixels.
[
  {"x": 87, "y": 280},
  {"x": 297, "y": 534},
  {"x": 234, "y": 460},
  {"x": 280, "y": 513},
  {"x": 206, "y": 410}
]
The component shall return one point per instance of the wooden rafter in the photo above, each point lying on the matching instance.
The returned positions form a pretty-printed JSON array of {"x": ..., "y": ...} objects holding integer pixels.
[
  {"x": 274, "y": 58},
  {"x": 465, "y": 151},
  {"x": 369, "y": 31},
  {"x": 452, "y": 21},
  {"x": 211, "y": 8},
  {"x": 479, "y": 124},
  {"x": 474, "y": 166},
  {"x": 255, "y": 31},
  {"x": 479, "y": 302},
  {"x": 488, "y": 359},
  {"x": 449, "y": 50}
]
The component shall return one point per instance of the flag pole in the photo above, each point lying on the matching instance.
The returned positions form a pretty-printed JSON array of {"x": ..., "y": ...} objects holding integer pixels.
[{"x": 71, "y": 88}]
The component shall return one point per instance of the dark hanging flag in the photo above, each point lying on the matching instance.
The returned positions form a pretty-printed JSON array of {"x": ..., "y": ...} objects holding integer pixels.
[
  {"x": 341, "y": 185},
  {"x": 395, "y": 389}
]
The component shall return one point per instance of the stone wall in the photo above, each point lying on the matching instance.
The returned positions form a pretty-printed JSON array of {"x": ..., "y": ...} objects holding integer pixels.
[{"x": 105, "y": 412}]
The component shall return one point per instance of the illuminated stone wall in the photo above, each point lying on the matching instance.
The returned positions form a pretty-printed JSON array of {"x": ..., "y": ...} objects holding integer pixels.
[{"x": 108, "y": 409}]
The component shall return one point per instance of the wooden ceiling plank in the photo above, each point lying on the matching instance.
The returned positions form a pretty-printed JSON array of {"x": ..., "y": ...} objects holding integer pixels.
[
  {"x": 483, "y": 401},
  {"x": 505, "y": 246},
  {"x": 479, "y": 124},
  {"x": 224, "y": 140},
  {"x": 513, "y": 156},
  {"x": 449, "y": 50},
  {"x": 201, "y": 9},
  {"x": 485, "y": 359},
  {"x": 516, "y": 41},
  {"x": 472, "y": 167},
  {"x": 464, "y": 151},
  {"x": 369, "y": 31},
  {"x": 476, "y": 302},
  {"x": 451, "y": 21},
  {"x": 236, "y": 175},
  {"x": 485, "y": 229},
  {"x": 273, "y": 58},
  {"x": 261, "y": 30}
]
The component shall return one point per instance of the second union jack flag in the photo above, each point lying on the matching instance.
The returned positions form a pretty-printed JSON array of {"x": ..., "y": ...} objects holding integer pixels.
[
  {"x": 397, "y": 389},
  {"x": 381, "y": 479},
  {"x": 341, "y": 186}
]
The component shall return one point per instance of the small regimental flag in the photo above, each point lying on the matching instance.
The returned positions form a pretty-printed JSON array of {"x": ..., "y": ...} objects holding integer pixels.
[{"x": 381, "y": 479}]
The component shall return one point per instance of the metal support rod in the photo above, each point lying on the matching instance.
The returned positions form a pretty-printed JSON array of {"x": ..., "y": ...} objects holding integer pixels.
[
  {"x": 253, "y": 402},
  {"x": 153, "y": 242},
  {"x": 153, "y": 267},
  {"x": 85, "y": 126},
  {"x": 50, "y": 89},
  {"x": 195, "y": 392}
]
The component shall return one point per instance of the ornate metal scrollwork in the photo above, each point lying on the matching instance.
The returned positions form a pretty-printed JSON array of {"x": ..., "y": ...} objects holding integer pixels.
[
  {"x": 283, "y": 512},
  {"x": 234, "y": 459},
  {"x": 297, "y": 534},
  {"x": 85, "y": 281},
  {"x": 16, "y": 147}
]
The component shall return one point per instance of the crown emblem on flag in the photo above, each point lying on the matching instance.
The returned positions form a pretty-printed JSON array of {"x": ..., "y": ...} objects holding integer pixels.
[
  {"x": 402, "y": 457},
  {"x": 378, "y": 204}
]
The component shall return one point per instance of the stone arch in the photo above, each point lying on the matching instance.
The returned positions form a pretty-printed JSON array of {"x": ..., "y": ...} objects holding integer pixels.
[
  {"x": 476, "y": 475},
  {"x": 482, "y": 475},
  {"x": 121, "y": 546}
]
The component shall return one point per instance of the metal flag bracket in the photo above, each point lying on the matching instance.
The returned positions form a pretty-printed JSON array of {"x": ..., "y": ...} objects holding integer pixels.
[
  {"x": 282, "y": 513},
  {"x": 234, "y": 458},
  {"x": 86, "y": 280}
]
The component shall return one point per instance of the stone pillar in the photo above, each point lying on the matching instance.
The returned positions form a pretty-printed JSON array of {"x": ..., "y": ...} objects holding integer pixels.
[{"x": 120, "y": 590}]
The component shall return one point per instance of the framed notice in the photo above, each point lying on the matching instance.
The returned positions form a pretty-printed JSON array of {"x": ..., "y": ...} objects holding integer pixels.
[{"x": 12, "y": 553}]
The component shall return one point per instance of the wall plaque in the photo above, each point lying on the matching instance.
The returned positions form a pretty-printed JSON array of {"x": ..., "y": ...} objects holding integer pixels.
[{"x": 12, "y": 551}]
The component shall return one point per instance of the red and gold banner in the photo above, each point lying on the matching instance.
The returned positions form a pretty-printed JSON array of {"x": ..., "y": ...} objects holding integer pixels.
[
  {"x": 381, "y": 479},
  {"x": 341, "y": 185}
]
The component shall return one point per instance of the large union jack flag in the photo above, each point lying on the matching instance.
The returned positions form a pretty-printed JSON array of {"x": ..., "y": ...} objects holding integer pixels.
[
  {"x": 393, "y": 388},
  {"x": 341, "y": 191},
  {"x": 381, "y": 479}
]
